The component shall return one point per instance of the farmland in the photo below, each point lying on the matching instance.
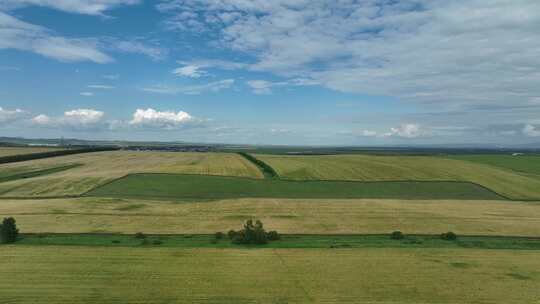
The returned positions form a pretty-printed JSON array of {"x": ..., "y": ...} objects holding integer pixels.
[
  {"x": 291, "y": 216},
  {"x": 157, "y": 275},
  {"x": 506, "y": 182},
  {"x": 99, "y": 168},
  {"x": 79, "y": 214},
  {"x": 10, "y": 151},
  {"x": 528, "y": 164}
]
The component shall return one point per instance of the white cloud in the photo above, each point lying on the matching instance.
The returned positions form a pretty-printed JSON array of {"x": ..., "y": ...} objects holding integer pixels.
[
  {"x": 531, "y": 131},
  {"x": 87, "y": 94},
  {"x": 405, "y": 131},
  {"x": 87, "y": 7},
  {"x": 192, "y": 71},
  {"x": 455, "y": 53},
  {"x": 10, "y": 115},
  {"x": 191, "y": 90},
  {"x": 136, "y": 47},
  {"x": 263, "y": 87},
  {"x": 100, "y": 87},
  {"x": 17, "y": 34},
  {"x": 78, "y": 119},
  {"x": 169, "y": 120}
]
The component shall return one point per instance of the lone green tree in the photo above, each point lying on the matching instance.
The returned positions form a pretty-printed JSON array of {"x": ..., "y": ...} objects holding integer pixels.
[{"x": 8, "y": 231}]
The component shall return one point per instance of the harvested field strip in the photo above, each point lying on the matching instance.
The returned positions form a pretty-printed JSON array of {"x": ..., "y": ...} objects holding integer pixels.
[
  {"x": 105, "y": 275},
  {"x": 217, "y": 187},
  {"x": 286, "y": 241},
  {"x": 30, "y": 174},
  {"x": 506, "y": 182},
  {"x": 289, "y": 216}
]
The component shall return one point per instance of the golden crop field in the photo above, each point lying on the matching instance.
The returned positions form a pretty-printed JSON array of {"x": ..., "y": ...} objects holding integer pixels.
[
  {"x": 59, "y": 274},
  {"x": 321, "y": 216},
  {"x": 101, "y": 167},
  {"x": 390, "y": 168},
  {"x": 9, "y": 151}
]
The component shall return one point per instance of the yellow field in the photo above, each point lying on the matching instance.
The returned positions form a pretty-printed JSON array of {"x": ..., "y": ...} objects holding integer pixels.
[
  {"x": 418, "y": 168},
  {"x": 284, "y": 215},
  {"x": 50, "y": 274},
  {"x": 101, "y": 167},
  {"x": 8, "y": 151}
]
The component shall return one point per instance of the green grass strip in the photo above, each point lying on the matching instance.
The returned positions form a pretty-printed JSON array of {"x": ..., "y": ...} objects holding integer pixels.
[
  {"x": 37, "y": 173},
  {"x": 287, "y": 241},
  {"x": 204, "y": 187}
]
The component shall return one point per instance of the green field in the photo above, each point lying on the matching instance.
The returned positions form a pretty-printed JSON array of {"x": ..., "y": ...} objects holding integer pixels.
[
  {"x": 410, "y": 168},
  {"x": 529, "y": 164},
  {"x": 71, "y": 274},
  {"x": 177, "y": 186}
]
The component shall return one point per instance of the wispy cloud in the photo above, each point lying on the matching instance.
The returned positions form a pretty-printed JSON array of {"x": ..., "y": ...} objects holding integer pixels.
[
  {"x": 413, "y": 50},
  {"x": 191, "y": 89},
  {"x": 86, "y": 7},
  {"x": 100, "y": 87}
]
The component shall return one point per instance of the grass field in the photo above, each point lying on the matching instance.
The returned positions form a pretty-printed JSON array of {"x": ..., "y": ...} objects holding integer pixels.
[
  {"x": 177, "y": 186},
  {"x": 529, "y": 164},
  {"x": 9, "y": 151},
  {"x": 418, "y": 168},
  {"x": 52, "y": 274},
  {"x": 101, "y": 167},
  {"x": 292, "y": 216}
]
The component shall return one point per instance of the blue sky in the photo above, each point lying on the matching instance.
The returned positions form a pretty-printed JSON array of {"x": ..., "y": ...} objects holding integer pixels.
[{"x": 372, "y": 72}]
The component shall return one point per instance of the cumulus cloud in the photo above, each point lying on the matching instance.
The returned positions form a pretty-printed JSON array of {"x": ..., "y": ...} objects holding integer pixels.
[
  {"x": 78, "y": 119},
  {"x": 192, "y": 89},
  {"x": 168, "y": 120},
  {"x": 531, "y": 131},
  {"x": 448, "y": 52},
  {"x": 10, "y": 115},
  {"x": 86, "y": 7},
  {"x": 405, "y": 131}
]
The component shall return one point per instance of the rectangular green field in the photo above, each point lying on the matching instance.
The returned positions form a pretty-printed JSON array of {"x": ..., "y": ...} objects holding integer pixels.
[
  {"x": 504, "y": 181},
  {"x": 67, "y": 274},
  {"x": 179, "y": 186},
  {"x": 291, "y": 216}
]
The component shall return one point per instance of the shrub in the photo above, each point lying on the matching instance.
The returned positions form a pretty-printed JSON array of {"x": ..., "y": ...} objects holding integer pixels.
[
  {"x": 252, "y": 233},
  {"x": 219, "y": 235},
  {"x": 8, "y": 231},
  {"x": 157, "y": 242},
  {"x": 449, "y": 236},
  {"x": 273, "y": 235},
  {"x": 140, "y": 235},
  {"x": 115, "y": 241},
  {"x": 397, "y": 235}
]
